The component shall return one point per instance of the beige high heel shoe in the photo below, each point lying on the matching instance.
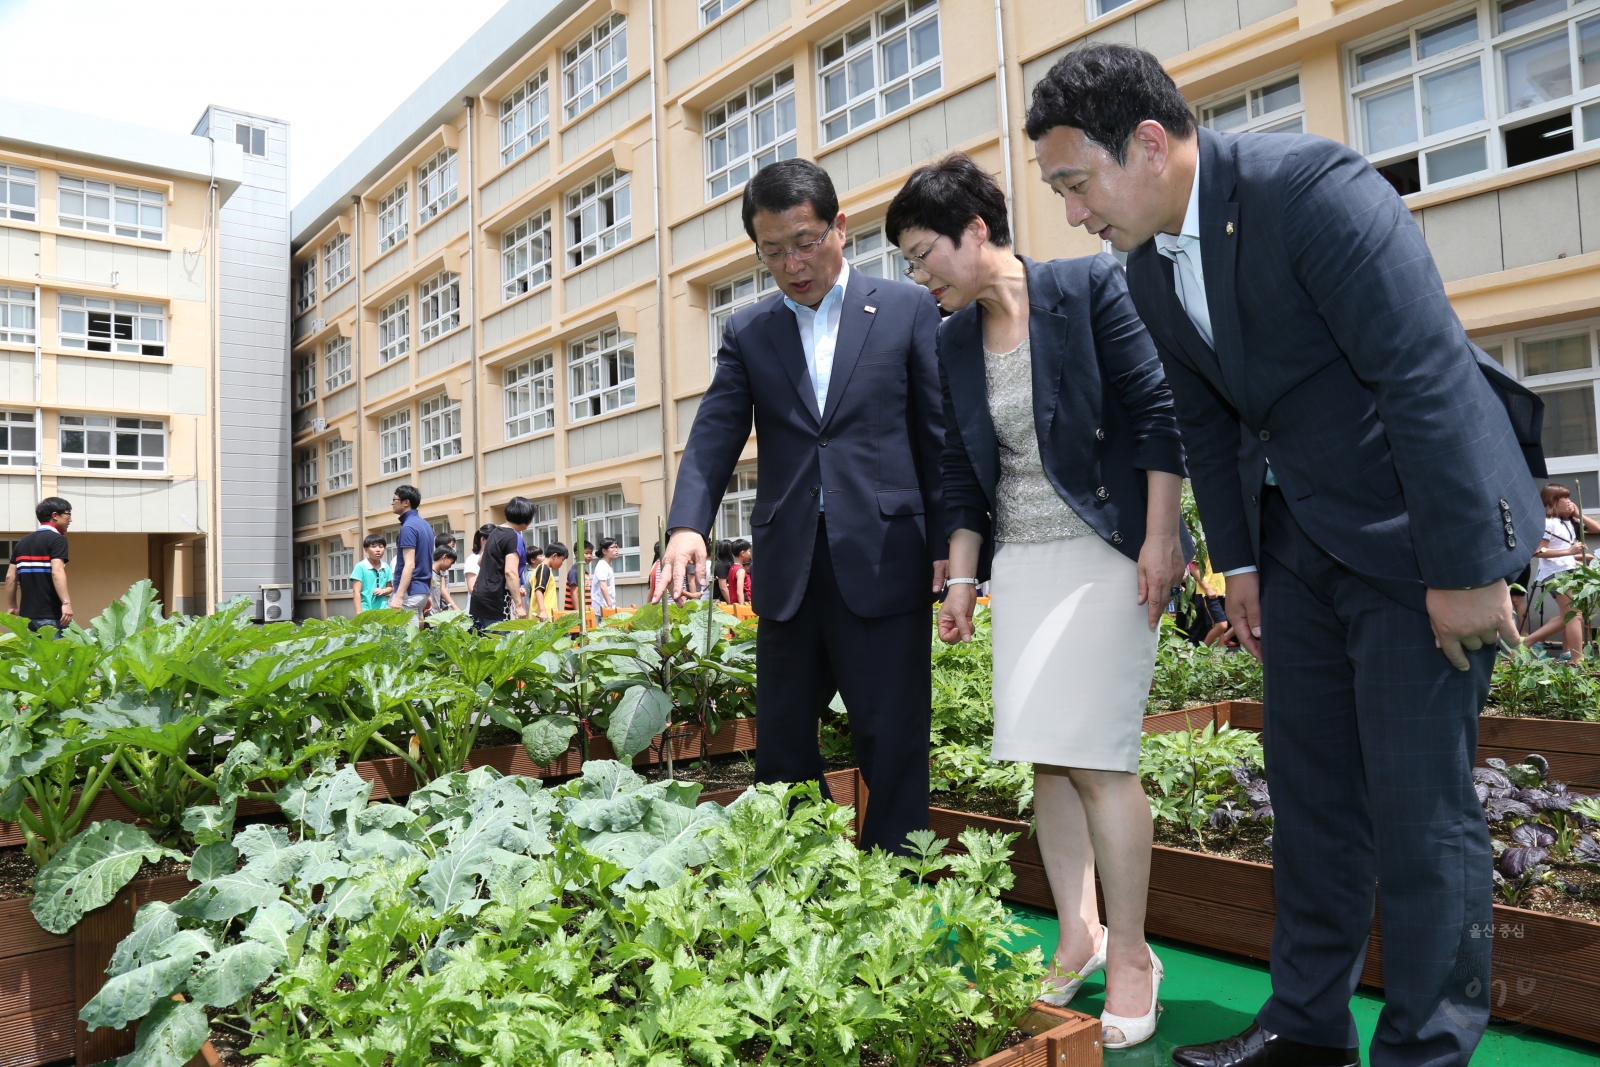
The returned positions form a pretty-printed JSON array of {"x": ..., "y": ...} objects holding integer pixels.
[
  {"x": 1117, "y": 1031},
  {"x": 1064, "y": 994}
]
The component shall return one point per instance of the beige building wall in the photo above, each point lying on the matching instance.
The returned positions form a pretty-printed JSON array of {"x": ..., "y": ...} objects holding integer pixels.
[
  {"x": 1518, "y": 243},
  {"x": 108, "y": 335}
]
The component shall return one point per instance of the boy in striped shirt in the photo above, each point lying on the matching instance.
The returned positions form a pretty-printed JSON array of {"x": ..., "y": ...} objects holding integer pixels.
[{"x": 36, "y": 584}]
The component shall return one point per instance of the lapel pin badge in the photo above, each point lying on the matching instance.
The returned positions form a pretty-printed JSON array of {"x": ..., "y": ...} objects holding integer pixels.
[
  {"x": 870, "y": 309},
  {"x": 1229, "y": 229}
]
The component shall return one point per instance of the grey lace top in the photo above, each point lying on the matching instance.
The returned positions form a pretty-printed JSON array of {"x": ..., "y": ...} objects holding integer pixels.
[{"x": 1028, "y": 509}]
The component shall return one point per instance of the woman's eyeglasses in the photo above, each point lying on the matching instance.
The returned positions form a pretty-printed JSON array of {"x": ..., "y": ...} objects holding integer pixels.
[
  {"x": 916, "y": 263},
  {"x": 804, "y": 251}
]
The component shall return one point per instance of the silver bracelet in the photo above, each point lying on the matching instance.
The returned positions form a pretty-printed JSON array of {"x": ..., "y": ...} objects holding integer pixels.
[{"x": 961, "y": 581}]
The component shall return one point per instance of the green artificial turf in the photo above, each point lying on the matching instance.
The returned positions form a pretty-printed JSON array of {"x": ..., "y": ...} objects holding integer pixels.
[{"x": 1209, "y": 995}]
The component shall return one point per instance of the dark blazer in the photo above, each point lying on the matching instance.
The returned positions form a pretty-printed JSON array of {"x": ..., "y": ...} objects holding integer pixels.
[
  {"x": 1101, "y": 405},
  {"x": 1339, "y": 359},
  {"x": 874, "y": 452}
]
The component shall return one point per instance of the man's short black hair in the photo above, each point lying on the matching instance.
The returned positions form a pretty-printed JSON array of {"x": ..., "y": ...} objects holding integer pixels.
[
  {"x": 50, "y": 507},
  {"x": 373, "y": 539},
  {"x": 789, "y": 183},
  {"x": 944, "y": 196},
  {"x": 445, "y": 553},
  {"x": 1106, "y": 90},
  {"x": 409, "y": 494},
  {"x": 556, "y": 548},
  {"x": 519, "y": 510}
]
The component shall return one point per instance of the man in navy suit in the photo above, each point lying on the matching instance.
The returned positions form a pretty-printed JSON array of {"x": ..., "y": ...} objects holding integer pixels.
[
  {"x": 839, "y": 374},
  {"x": 1360, "y": 467}
]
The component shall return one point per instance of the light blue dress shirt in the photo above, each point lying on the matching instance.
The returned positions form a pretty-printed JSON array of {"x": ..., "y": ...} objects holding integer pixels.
[{"x": 819, "y": 336}]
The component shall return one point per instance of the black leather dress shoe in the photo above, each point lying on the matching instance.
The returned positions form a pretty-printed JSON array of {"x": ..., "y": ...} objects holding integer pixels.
[{"x": 1262, "y": 1048}]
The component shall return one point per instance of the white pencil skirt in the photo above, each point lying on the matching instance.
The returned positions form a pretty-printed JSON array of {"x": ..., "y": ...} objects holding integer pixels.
[{"x": 1073, "y": 655}]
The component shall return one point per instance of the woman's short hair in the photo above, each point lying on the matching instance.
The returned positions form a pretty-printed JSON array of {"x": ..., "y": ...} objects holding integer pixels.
[
  {"x": 519, "y": 509},
  {"x": 944, "y": 196},
  {"x": 1553, "y": 492},
  {"x": 1106, "y": 90}
]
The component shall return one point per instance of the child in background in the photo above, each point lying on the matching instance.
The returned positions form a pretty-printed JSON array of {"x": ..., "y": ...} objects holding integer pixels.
[{"x": 372, "y": 580}]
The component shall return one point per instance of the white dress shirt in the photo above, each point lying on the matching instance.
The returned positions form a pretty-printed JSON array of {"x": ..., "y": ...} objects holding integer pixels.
[
  {"x": 1189, "y": 282},
  {"x": 819, "y": 336}
]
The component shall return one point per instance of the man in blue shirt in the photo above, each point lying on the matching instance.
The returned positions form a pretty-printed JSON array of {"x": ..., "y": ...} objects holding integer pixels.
[{"x": 414, "y": 581}]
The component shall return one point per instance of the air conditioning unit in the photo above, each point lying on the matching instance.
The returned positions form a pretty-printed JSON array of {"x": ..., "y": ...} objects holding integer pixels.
[
  {"x": 277, "y": 603},
  {"x": 318, "y": 425},
  {"x": 318, "y": 325}
]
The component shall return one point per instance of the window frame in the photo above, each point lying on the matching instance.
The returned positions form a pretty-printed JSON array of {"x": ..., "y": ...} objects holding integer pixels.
[
  {"x": 779, "y": 92},
  {"x": 341, "y": 561},
  {"x": 253, "y": 141},
  {"x": 70, "y": 306},
  {"x": 305, "y": 280},
  {"x": 335, "y": 262},
  {"x": 873, "y": 258},
  {"x": 546, "y": 523},
  {"x": 116, "y": 196},
  {"x": 304, "y": 379},
  {"x": 608, "y": 350},
  {"x": 520, "y": 272},
  {"x": 609, "y": 186},
  {"x": 434, "y": 197},
  {"x": 525, "y": 118},
  {"x": 114, "y": 428},
  {"x": 394, "y": 329},
  {"x": 1250, "y": 92},
  {"x": 876, "y": 43},
  {"x": 613, "y": 512},
  {"x": 12, "y": 178},
  {"x": 340, "y": 466},
  {"x": 1509, "y": 349},
  {"x": 10, "y": 455},
  {"x": 308, "y": 568},
  {"x": 762, "y": 285},
  {"x": 528, "y": 396},
  {"x": 394, "y": 217},
  {"x": 307, "y": 481},
  {"x": 15, "y": 305},
  {"x": 602, "y": 37},
  {"x": 438, "y": 307},
  {"x": 338, "y": 368},
  {"x": 439, "y": 428},
  {"x": 394, "y": 442},
  {"x": 741, "y": 493}
]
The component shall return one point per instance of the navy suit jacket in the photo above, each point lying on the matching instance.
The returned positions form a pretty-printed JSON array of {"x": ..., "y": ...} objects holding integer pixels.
[
  {"x": 1339, "y": 359},
  {"x": 1102, "y": 408},
  {"x": 874, "y": 451}
]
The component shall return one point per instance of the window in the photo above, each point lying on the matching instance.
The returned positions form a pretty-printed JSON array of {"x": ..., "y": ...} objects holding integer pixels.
[
  {"x": 711, "y": 10},
  {"x": 341, "y": 466},
  {"x": 600, "y": 373},
  {"x": 530, "y": 396},
  {"x": 525, "y": 255},
  {"x": 879, "y": 67},
  {"x": 872, "y": 255},
  {"x": 100, "y": 207},
  {"x": 730, "y": 297},
  {"x": 1554, "y": 355},
  {"x": 1105, "y": 7},
  {"x": 524, "y": 118},
  {"x": 394, "y": 330},
  {"x": 305, "y": 379},
  {"x": 599, "y": 217},
  {"x": 606, "y": 515},
  {"x": 305, "y": 473},
  {"x": 1489, "y": 86},
  {"x": 19, "y": 193},
  {"x": 1271, "y": 106},
  {"x": 394, "y": 442},
  {"x": 543, "y": 530},
  {"x": 336, "y": 363},
  {"x": 441, "y": 428},
  {"x": 749, "y": 130},
  {"x": 19, "y": 439},
  {"x": 305, "y": 286},
  {"x": 596, "y": 64},
  {"x": 96, "y": 442},
  {"x": 99, "y": 325},
  {"x": 438, "y": 306},
  {"x": 307, "y": 569},
  {"x": 456, "y": 575},
  {"x": 1561, "y": 363},
  {"x": 335, "y": 263},
  {"x": 436, "y": 185},
  {"x": 341, "y": 561},
  {"x": 738, "y": 502},
  {"x": 393, "y": 219},
  {"x": 250, "y": 138},
  {"x": 19, "y": 318}
]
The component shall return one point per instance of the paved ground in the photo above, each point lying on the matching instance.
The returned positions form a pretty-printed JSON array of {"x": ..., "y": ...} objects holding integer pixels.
[{"x": 1207, "y": 995}]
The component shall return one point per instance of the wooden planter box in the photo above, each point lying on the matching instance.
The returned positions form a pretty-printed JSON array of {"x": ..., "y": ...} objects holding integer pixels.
[
  {"x": 392, "y": 777},
  {"x": 1546, "y": 969},
  {"x": 1573, "y": 748},
  {"x": 1061, "y": 1038}
]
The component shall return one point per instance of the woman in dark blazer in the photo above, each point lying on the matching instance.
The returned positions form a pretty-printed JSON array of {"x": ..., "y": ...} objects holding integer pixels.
[{"x": 1062, "y": 449}]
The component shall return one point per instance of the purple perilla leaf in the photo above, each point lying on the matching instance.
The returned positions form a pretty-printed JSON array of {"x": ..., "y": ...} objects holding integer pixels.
[
  {"x": 1515, "y": 862},
  {"x": 1532, "y": 835},
  {"x": 1500, "y": 807},
  {"x": 1492, "y": 778}
]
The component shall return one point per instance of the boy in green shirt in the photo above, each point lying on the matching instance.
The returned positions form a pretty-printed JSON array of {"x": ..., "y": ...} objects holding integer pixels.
[{"x": 372, "y": 580}]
